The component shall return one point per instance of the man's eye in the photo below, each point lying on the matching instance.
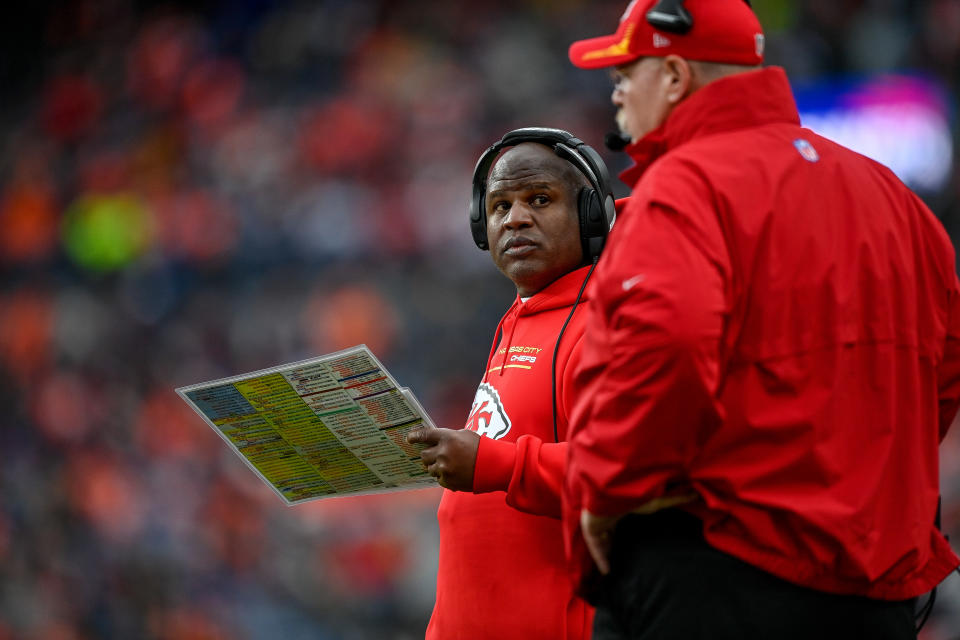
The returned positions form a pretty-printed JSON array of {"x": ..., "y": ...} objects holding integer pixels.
[
  {"x": 541, "y": 200},
  {"x": 500, "y": 207}
]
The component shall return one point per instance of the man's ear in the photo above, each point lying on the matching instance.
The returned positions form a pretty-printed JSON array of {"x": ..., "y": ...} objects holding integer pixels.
[{"x": 679, "y": 77}]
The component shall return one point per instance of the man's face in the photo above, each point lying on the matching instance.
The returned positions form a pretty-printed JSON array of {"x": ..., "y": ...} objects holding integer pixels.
[
  {"x": 532, "y": 225},
  {"x": 639, "y": 93}
]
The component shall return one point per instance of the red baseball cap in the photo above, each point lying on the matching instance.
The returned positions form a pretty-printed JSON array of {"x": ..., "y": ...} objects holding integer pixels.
[{"x": 725, "y": 31}]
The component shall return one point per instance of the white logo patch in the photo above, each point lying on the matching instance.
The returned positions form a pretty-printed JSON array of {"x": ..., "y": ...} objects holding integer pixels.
[
  {"x": 630, "y": 283},
  {"x": 487, "y": 415},
  {"x": 806, "y": 150},
  {"x": 659, "y": 42},
  {"x": 760, "y": 43}
]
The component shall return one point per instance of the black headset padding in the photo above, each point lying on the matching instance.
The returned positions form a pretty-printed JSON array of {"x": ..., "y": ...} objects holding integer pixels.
[
  {"x": 672, "y": 16},
  {"x": 595, "y": 204}
]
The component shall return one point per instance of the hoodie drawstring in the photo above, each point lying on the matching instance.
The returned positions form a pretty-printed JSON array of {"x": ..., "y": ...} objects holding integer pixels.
[{"x": 509, "y": 342}]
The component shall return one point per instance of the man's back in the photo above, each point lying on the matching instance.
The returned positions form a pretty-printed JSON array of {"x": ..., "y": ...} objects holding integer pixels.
[
  {"x": 838, "y": 283},
  {"x": 774, "y": 335}
]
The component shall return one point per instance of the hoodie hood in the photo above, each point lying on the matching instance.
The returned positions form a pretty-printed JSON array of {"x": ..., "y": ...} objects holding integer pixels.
[{"x": 562, "y": 292}]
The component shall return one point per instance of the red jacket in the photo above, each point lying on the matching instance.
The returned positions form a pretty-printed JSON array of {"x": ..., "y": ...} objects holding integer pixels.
[
  {"x": 775, "y": 326},
  {"x": 502, "y": 572}
]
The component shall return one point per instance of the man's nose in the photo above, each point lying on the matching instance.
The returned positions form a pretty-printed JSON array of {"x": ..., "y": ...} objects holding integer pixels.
[
  {"x": 519, "y": 216},
  {"x": 616, "y": 97}
]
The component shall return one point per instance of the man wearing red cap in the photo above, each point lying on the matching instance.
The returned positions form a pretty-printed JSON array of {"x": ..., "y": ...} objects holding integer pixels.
[{"x": 772, "y": 358}]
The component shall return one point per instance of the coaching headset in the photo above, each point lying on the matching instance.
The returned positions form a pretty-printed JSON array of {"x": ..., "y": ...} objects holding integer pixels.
[
  {"x": 665, "y": 15},
  {"x": 595, "y": 207},
  {"x": 672, "y": 16}
]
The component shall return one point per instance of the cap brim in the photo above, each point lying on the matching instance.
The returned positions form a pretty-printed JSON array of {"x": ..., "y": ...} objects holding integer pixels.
[{"x": 597, "y": 53}]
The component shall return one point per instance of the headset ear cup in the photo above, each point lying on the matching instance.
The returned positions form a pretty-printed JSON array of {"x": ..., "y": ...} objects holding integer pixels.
[
  {"x": 478, "y": 221},
  {"x": 593, "y": 223}
]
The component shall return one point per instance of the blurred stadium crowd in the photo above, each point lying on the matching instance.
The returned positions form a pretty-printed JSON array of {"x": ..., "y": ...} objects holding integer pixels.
[{"x": 195, "y": 190}]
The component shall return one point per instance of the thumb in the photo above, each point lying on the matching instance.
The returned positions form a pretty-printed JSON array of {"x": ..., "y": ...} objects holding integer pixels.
[
  {"x": 596, "y": 535},
  {"x": 423, "y": 435}
]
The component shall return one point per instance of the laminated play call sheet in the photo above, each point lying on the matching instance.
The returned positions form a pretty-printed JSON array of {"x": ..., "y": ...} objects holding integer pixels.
[{"x": 330, "y": 426}]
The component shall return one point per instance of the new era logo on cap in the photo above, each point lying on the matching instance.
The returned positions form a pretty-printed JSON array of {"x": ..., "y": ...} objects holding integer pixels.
[{"x": 660, "y": 41}]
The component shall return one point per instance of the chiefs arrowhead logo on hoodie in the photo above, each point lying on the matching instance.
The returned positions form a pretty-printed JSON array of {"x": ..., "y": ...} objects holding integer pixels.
[{"x": 487, "y": 415}]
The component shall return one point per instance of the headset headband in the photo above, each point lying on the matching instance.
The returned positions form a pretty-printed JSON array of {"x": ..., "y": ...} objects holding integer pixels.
[
  {"x": 672, "y": 16},
  {"x": 565, "y": 145}
]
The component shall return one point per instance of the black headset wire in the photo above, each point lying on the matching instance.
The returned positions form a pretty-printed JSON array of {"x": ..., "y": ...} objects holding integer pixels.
[
  {"x": 924, "y": 613},
  {"x": 553, "y": 363}
]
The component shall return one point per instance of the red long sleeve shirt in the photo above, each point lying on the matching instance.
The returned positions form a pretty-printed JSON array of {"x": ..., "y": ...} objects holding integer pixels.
[{"x": 775, "y": 326}]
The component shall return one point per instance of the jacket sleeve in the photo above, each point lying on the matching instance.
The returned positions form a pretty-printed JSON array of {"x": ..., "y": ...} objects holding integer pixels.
[{"x": 650, "y": 368}]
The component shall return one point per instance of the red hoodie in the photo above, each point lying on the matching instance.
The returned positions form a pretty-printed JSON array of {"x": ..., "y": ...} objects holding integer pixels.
[
  {"x": 775, "y": 326},
  {"x": 502, "y": 572}
]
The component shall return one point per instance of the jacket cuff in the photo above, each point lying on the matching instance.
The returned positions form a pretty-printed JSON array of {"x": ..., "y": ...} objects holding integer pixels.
[{"x": 494, "y": 467}]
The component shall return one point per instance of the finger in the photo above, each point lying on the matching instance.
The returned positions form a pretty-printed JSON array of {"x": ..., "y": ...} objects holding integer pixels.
[
  {"x": 428, "y": 457},
  {"x": 434, "y": 470},
  {"x": 599, "y": 548},
  {"x": 424, "y": 435},
  {"x": 597, "y": 539}
]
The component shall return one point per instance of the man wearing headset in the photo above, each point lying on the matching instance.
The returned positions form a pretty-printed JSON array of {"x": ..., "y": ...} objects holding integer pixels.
[
  {"x": 771, "y": 359},
  {"x": 543, "y": 208}
]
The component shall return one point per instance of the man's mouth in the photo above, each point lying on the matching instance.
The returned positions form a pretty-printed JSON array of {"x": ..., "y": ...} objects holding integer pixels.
[{"x": 519, "y": 246}]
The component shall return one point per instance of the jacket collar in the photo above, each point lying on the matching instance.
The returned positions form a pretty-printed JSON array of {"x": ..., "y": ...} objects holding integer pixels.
[{"x": 730, "y": 103}]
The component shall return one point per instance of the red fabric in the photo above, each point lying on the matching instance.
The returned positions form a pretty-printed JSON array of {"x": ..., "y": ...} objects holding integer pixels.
[
  {"x": 502, "y": 572},
  {"x": 774, "y": 325},
  {"x": 723, "y": 31}
]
